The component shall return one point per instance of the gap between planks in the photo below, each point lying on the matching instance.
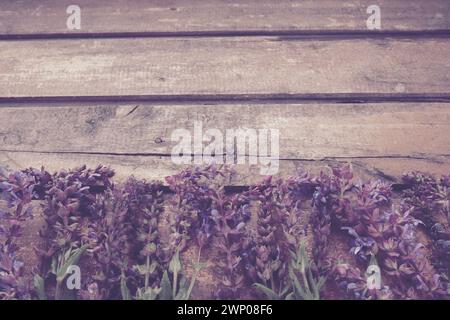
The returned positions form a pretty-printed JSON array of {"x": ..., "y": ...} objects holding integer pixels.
[
  {"x": 180, "y": 99},
  {"x": 281, "y": 34}
]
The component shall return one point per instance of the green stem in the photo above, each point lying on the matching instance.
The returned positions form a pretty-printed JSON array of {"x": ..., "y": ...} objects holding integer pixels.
[
  {"x": 198, "y": 256},
  {"x": 306, "y": 284},
  {"x": 147, "y": 274},
  {"x": 194, "y": 277},
  {"x": 174, "y": 288},
  {"x": 272, "y": 283}
]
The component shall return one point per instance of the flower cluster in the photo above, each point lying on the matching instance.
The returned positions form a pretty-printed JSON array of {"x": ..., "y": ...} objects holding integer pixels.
[
  {"x": 192, "y": 204},
  {"x": 331, "y": 205},
  {"x": 230, "y": 215},
  {"x": 382, "y": 231},
  {"x": 278, "y": 232},
  {"x": 429, "y": 200},
  {"x": 16, "y": 191}
]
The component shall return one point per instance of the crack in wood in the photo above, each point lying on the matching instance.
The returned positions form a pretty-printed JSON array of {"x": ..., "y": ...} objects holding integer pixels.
[{"x": 155, "y": 154}]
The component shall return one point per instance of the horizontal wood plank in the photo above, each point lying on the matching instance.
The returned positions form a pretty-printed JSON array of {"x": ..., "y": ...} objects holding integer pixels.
[
  {"x": 157, "y": 168},
  {"x": 125, "y": 16},
  {"x": 307, "y": 131},
  {"x": 381, "y": 139},
  {"x": 199, "y": 66}
]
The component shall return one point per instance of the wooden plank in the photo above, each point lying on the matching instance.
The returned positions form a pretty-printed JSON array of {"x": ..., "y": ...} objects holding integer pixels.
[
  {"x": 156, "y": 168},
  {"x": 122, "y": 16},
  {"x": 307, "y": 131},
  {"x": 381, "y": 140},
  {"x": 215, "y": 66}
]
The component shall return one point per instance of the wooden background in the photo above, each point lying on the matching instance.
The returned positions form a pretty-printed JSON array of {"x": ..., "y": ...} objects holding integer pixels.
[{"x": 114, "y": 91}]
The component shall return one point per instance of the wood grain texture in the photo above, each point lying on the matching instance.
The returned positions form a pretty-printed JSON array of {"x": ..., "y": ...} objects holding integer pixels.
[
  {"x": 156, "y": 168},
  {"x": 307, "y": 131},
  {"x": 383, "y": 139},
  {"x": 175, "y": 16},
  {"x": 196, "y": 66}
]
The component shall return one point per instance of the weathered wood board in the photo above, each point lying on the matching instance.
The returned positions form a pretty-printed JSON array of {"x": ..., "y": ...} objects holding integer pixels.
[
  {"x": 381, "y": 140},
  {"x": 307, "y": 131},
  {"x": 215, "y": 66},
  {"x": 48, "y": 17},
  {"x": 157, "y": 168}
]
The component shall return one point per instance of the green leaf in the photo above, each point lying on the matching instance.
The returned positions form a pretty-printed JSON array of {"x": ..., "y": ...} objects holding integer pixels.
[
  {"x": 182, "y": 294},
  {"x": 313, "y": 282},
  {"x": 39, "y": 285},
  {"x": 285, "y": 291},
  {"x": 143, "y": 270},
  {"x": 184, "y": 284},
  {"x": 321, "y": 282},
  {"x": 71, "y": 259},
  {"x": 166, "y": 288},
  {"x": 299, "y": 291},
  {"x": 198, "y": 267},
  {"x": 54, "y": 265},
  {"x": 175, "y": 268},
  {"x": 175, "y": 263},
  {"x": 302, "y": 293},
  {"x": 271, "y": 295},
  {"x": 373, "y": 260},
  {"x": 126, "y": 295},
  {"x": 308, "y": 288},
  {"x": 290, "y": 296},
  {"x": 150, "y": 294}
]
